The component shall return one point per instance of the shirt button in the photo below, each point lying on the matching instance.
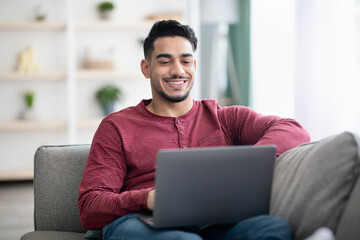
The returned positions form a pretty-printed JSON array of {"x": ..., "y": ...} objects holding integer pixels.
[
  {"x": 182, "y": 132},
  {"x": 178, "y": 122},
  {"x": 184, "y": 146}
]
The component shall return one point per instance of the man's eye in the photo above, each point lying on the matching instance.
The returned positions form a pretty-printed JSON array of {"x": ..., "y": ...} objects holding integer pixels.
[
  {"x": 163, "y": 62},
  {"x": 187, "y": 60}
]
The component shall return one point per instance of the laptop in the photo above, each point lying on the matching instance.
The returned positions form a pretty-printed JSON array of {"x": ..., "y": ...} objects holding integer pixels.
[{"x": 214, "y": 185}]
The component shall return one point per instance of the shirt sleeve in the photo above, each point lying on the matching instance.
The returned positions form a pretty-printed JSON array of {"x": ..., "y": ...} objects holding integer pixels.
[
  {"x": 100, "y": 197},
  {"x": 247, "y": 127}
]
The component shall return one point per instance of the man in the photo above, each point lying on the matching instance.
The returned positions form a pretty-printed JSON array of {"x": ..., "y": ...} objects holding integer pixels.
[{"x": 118, "y": 182}]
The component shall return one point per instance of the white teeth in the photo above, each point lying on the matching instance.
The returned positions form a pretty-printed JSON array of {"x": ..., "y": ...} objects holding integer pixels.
[{"x": 176, "y": 83}]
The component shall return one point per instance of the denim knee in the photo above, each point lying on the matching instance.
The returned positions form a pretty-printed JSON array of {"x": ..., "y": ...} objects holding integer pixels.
[
  {"x": 177, "y": 235},
  {"x": 130, "y": 227},
  {"x": 261, "y": 228},
  {"x": 274, "y": 227}
]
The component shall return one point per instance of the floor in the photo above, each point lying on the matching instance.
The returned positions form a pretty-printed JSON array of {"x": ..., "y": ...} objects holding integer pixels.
[{"x": 16, "y": 209}]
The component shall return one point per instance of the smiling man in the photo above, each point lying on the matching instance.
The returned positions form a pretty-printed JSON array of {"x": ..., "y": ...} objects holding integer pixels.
[{"x": 118, "y": 182}]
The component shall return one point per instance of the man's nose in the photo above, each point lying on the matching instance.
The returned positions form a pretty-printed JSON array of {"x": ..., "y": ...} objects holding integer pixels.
[{"x": 177, "y": 69}]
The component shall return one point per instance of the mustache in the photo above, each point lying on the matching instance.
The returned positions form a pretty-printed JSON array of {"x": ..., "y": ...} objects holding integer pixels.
[{"x": 177, "y": 77}]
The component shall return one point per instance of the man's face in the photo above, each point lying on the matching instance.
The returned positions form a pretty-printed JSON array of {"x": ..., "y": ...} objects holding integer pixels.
[{"x": 171, "y": 68}]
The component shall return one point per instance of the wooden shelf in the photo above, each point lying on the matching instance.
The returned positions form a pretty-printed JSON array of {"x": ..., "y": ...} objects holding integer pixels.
[
  {"x": 32, "y": 125},
  {"x": 40, "y": 26},
  {"x": 96, "y": 25},
  {"x": 42, "y": 76},
  {"x": 89, "y": 123},
  {"x": 35, "y": 125},
  {"x": 109, "y": 74},
  {"x": 17, "y": 174},
  {"x": 109, "y": 25}
]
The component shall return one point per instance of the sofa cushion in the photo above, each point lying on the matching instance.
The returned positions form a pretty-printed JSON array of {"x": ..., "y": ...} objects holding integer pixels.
[{"x": 313, "y": 182}]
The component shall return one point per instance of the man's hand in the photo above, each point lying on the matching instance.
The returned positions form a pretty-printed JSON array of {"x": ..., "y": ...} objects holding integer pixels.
[{"x": 151, "y": 200}]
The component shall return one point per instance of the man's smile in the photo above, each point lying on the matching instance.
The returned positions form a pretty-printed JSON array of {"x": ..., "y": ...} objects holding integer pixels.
[{"x": 177, "y": 82}]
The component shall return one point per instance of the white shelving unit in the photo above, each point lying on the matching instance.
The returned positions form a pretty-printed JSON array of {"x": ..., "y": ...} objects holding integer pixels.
[{"x": 67, "y": 111}]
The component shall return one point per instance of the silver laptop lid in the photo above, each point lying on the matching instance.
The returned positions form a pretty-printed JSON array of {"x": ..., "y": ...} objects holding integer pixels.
[{"x": 216, "y": 185}]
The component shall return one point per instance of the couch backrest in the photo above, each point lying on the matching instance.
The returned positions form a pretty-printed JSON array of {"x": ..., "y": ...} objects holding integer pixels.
[
  {"x": 317, "y": 185},
  {"x": 57, "y": 174}
]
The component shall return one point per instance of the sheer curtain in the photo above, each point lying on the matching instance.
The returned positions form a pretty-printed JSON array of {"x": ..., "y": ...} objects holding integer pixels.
[{"x": 304, "y": 63}]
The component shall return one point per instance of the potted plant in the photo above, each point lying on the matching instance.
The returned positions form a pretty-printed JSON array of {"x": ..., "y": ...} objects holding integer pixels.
[
  {"x": 107, "y": 96},
  {"x": 39, "y": 14},
  {"x": 29, "y": 99},
  {"x": 28, "y": 112},
  {"x": 105, "y": 9}
]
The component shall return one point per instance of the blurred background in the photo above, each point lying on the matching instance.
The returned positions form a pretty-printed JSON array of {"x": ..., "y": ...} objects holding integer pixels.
[{"x": 64, "y": 65}]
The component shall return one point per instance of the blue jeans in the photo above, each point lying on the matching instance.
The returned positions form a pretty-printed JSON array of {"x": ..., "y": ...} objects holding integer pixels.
[{"x": 261, "y": 227}]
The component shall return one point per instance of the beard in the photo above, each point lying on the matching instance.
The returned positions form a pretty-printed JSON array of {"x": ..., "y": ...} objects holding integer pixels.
[{"x": 175, "y": 99}]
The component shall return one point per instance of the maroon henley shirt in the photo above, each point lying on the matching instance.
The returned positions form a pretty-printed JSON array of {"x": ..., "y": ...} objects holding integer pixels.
[{"x": 120, "y": 170}]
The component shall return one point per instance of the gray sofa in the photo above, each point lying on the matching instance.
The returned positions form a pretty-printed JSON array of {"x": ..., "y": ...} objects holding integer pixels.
[{"x": 315, "y": 185}]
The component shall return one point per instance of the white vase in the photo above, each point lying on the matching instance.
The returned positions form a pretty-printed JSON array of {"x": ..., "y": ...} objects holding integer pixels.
[
  {"x": 27, "y": 114},
  {"x": 106, "y": 15}
]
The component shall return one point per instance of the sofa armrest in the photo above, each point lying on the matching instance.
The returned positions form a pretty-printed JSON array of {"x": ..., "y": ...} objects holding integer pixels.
[{"x": 57, "y": 174}]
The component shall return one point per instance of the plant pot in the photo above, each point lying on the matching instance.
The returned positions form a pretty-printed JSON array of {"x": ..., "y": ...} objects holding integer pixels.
[
  {"x": 109, "y": 108},
  {"x": 106, "y": 15},
  {"x": 27, "y": 114}
]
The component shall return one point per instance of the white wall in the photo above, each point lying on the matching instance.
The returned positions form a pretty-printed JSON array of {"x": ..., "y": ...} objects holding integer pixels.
[
  {"x": 327, "y": 85},
  {"x": 305, "y": 63},
  {"x": 272, "y": 57}
]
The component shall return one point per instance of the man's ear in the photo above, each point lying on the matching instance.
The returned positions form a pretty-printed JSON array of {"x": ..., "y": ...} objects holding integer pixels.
[
  {"x": 145, "y": 68},
  {"x": 195, "y": 63}
]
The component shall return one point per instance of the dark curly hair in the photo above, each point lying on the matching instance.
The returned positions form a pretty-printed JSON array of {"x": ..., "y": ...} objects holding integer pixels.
[{"x": 168, "y": 28}]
